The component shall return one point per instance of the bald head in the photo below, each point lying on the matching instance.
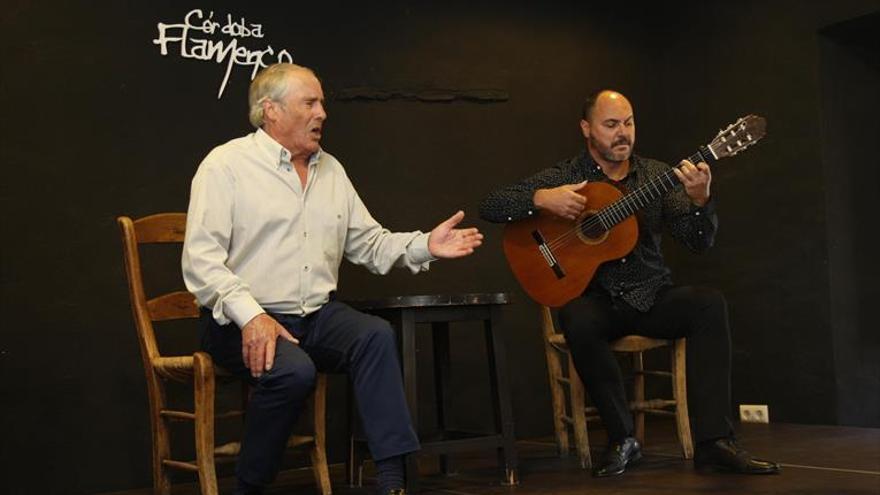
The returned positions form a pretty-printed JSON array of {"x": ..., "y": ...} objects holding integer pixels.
[
  {"x": 602, "y": 97},
  {"x": 272, "y": 84}
]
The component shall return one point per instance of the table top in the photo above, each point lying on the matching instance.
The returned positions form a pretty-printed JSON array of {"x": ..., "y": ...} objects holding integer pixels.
[{"x": 432, "y": 300}]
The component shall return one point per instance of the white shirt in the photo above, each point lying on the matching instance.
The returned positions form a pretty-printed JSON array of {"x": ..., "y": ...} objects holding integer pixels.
[{"x": 256, "y": 241}]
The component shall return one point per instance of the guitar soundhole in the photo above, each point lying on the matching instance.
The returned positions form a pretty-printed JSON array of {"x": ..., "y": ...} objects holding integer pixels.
[{"x": 590, "y": 229}]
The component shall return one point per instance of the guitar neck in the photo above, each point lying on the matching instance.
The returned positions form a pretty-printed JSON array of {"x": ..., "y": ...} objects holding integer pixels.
[{"x": 647, "y": 193}]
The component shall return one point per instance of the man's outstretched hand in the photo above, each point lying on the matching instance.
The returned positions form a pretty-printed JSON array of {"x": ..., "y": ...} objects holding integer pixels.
[{"x": 446, "y": 241}]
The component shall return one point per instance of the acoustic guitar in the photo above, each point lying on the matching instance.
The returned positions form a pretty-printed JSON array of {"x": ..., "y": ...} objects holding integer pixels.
[{"x": 554, "y": 259}]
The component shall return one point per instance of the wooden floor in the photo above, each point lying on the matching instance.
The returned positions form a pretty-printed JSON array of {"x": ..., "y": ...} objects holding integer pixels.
[{"x": 816, "y": 460}]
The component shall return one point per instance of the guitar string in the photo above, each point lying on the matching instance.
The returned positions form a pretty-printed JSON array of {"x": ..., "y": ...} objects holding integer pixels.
[
  {"x": 617, "y": 210},
  {"x": 614, "y": 213}
]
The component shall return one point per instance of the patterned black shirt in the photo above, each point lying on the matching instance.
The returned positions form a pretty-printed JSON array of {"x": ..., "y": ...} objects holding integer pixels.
[{"x": 639, "y": 275}]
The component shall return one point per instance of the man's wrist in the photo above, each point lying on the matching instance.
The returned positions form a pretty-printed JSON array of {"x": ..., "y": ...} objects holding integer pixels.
[{"x": 535, "y": 198}]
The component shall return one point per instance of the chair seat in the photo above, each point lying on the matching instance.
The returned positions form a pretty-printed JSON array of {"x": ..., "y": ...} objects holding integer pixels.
[
  {"x": 180, "y": 368},
  {"x": 629, "y": 343}
]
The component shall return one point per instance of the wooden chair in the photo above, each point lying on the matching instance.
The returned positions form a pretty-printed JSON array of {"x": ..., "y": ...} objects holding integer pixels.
[
  {"x": 197, "y": 369},
  {"x": 573, "y": 417}
]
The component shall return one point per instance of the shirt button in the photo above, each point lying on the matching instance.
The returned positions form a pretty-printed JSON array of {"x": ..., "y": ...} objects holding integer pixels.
[
  {"x": 620, "y": 293},
  {"x": 305, "y": 234},
  {"x": 530, "y": 212},
  {"x": 700, "y": 232},
  {"x": 623, "y": 260},
  {"x": 697, "y": 213},
  {"x": 509, "y": 219},
  {"x": 306, "y": 268}
]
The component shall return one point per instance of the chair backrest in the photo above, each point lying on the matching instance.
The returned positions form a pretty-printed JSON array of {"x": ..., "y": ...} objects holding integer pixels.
[{"x": 159, "y": 228}]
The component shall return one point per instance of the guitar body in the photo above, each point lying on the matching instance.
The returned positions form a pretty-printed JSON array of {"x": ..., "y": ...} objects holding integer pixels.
[{"x": 562, "y": 269}]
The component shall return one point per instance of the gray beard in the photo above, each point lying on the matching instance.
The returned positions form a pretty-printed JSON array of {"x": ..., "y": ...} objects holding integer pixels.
[{"x": 608, "y": 154}]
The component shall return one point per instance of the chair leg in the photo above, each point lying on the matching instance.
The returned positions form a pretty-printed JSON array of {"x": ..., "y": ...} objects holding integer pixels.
[
  {"x": 579, "y": 417},
  {"x": 679, "y": 392},
  {"x": 639, "y": 395},
  {"x": 319, "y": 453},
  {"x": 161, "y": 437},
  {"x": 557, "y": 394},
  {"x": 203, "y": 378}
]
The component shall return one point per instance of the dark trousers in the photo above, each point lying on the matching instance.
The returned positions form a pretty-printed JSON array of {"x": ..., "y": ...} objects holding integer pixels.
[
  {"x": 334, "y": 339},
  {"x": 592, "y": 321}
]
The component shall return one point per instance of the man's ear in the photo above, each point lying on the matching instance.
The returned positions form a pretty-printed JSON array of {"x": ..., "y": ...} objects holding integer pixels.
[
  {"x": 585, "y": 128},
  {"x": 270, "y": 110}
]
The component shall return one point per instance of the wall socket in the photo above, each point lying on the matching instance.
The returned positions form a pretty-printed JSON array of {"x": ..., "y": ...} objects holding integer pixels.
[{"x": 754, "y": 413}]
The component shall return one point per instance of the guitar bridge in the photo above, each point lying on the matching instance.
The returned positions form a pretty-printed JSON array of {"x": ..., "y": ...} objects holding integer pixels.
[{"x": 548, "y": 254}]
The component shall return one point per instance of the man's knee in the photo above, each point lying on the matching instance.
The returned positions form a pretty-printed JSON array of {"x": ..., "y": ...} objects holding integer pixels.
[
  {"x": 294, "y": 374},
  {"x": 580, "y": 323},
  {"x": 710, "y": 312},
  {"x": 378, "y": 333},
  {"x": 710, "y": 300}
]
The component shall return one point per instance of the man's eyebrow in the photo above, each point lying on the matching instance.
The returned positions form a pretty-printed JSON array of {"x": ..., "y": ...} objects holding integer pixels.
[{"x": 611, "y": 121}]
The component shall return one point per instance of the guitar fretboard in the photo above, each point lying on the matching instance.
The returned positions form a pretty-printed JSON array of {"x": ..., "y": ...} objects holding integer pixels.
[{"x": 645, "y": 194}]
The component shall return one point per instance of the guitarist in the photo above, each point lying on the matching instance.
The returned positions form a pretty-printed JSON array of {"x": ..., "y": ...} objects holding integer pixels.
[{"x": 635, "y": 294}]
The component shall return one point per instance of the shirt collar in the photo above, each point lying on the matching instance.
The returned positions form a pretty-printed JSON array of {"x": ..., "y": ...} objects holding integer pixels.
[{"x": 274, "y": 149}]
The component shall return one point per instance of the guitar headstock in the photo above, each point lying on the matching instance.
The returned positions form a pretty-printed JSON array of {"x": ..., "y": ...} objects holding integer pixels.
[{"x": 738, "y": 136}]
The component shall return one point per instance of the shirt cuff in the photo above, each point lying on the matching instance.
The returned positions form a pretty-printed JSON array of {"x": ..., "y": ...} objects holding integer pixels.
[
  {"x": 707, "y": 209},
  {"x": 240, "y": 310},
  {"x": 417, "y": 251}
]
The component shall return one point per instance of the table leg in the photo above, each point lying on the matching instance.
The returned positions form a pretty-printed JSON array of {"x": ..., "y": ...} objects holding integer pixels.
[
  {"x": 440, "y": 334},
  {"x": 500, "y": 386},
  {"x": 407, "y": 328}
]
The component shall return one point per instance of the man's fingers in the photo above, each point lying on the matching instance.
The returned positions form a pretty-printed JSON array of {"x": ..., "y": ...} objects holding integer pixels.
[
  {"x": 577, "y": 198},
  {"x": 252, "y": 359},
  {"x": 575, "y": 187},
  {"x": 454, "y": 219},
  {"x": 258, "y": 358},
  {"x": 269, "y": 354},
  {"x": 286, "y": 335},
  {"x": 703, "y": 167},
  {"x": 678, "y": 173}
]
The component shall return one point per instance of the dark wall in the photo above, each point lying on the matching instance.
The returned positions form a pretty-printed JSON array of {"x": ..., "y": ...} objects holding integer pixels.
[
  {"x": 97, "y": 124},
  {"x": 850, "y": 78}
]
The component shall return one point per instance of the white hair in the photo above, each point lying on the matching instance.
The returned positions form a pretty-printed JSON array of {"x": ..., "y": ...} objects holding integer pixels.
[{"x": 271, "y": 84}]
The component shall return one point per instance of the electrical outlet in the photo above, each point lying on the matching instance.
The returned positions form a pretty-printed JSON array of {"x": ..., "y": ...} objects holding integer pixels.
[{"x": 754, "y": 413}]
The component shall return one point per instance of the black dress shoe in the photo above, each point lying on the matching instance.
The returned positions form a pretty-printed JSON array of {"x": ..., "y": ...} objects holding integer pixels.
[
  {"x": 724, "y": 454},
  {"x": 617, "y": 456}
]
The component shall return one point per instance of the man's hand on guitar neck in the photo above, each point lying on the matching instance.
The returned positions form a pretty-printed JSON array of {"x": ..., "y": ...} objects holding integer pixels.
[
  {"x": 562, "y": 201},
  {"x": 696, "y": 179}
]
